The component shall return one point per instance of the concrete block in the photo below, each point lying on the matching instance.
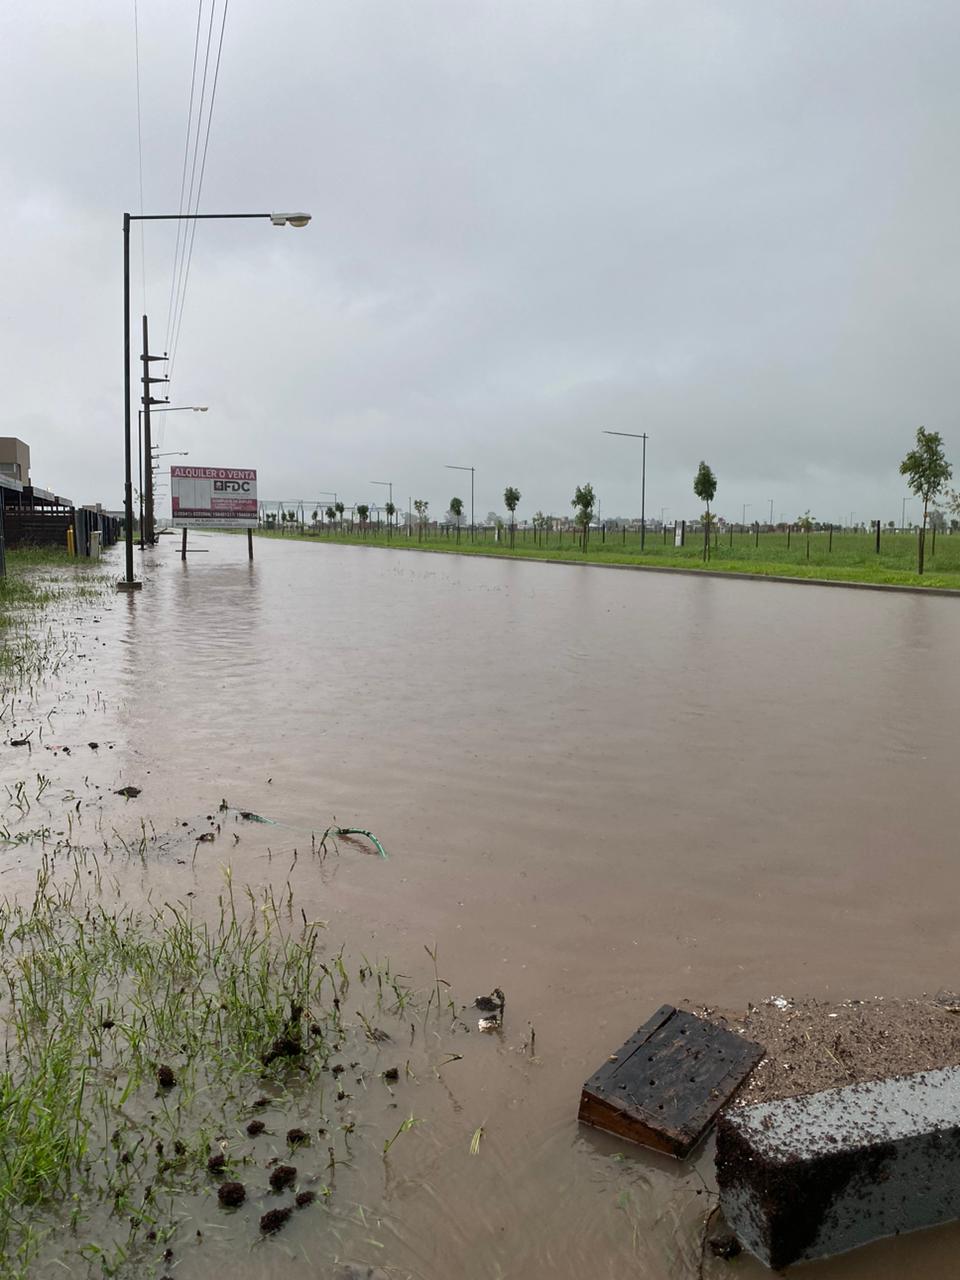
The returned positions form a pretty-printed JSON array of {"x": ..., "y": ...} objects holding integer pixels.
[{"x": 813, "y": 1176}]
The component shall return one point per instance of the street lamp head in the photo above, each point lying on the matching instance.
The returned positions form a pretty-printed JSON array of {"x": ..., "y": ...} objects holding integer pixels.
[
  {"x": 291, "y": 219},
  {"x": 200, "y": 408}
]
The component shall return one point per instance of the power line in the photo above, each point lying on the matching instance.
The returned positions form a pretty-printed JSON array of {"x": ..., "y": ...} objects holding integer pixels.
[
  {"x": 203, "y": 166},
  {"x": 183, "y": 180},
  {"x": 143, "y": 253},
  {"x": 193, "y": 177}
]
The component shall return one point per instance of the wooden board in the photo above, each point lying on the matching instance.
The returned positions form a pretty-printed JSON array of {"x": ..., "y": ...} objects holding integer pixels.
[{"x": 664, "y": 1087}]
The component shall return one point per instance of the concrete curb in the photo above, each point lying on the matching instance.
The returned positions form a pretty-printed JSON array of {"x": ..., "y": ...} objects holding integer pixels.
[
  {"x": 902, "y": 589},
  {"x": 812, "y": 1176}
]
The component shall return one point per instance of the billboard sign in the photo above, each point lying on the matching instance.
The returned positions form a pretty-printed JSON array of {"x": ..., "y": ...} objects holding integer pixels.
[{"x": 214, "y": 497}]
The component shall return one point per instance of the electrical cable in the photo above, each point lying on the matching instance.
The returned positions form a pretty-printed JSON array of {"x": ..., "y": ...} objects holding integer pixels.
[
  {"x": 203, "y": 166},
  {"x": 143, "y": 253},
  {"x": 183, "y": 178},
  {"x": 190, "y": 208}
]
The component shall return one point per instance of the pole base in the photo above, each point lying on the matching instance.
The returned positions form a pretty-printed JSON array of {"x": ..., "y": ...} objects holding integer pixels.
[{"x": 123, "y": 585}]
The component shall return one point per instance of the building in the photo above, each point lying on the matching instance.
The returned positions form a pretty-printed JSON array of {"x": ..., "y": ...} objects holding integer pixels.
[
  {"x": 14, "y": 460},
  {"x": 36, "y": 517}
]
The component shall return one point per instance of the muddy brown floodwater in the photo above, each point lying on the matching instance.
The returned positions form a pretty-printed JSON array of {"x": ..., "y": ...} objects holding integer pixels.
[{"x": 600, "y": 791}]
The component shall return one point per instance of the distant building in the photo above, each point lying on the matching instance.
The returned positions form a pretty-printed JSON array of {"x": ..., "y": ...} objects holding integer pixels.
[{"x": 15, "y": 459}]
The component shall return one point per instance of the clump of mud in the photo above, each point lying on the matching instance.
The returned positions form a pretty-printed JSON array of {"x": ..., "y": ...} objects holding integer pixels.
[
  {"x": 165, "y": 1077},
  {"x": 303, "y": 1198},
  {"x": 297, "y": 1137},
  {"x": 231, "y": 1194},
  {"x": 284, "y": 1175},
  {"x": 274, "y": 1219},
  {"x": 255, "y": 1127}
]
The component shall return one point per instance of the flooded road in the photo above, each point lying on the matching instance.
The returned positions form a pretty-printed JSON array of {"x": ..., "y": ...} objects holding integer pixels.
[{"x": 600, "y": 791}]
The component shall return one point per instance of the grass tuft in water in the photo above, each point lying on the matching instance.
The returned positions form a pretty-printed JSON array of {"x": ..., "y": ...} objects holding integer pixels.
[{"x": 135, "y": 1038}]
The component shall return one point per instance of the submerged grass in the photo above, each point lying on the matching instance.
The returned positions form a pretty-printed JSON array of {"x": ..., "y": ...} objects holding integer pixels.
[
  {"x": 136, "y": 1041},
  {"x": 38, "y": 578}
]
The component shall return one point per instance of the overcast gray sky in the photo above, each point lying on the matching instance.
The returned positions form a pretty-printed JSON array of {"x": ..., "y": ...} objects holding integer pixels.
[{"x": 731, "y": 225}]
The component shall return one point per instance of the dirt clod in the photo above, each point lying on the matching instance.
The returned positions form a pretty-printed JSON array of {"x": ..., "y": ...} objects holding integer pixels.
[
  {"x": 304, "y": 1198},
  {"x": 392, "y": 1073},
  {"x": 274, "y": 1219},
  {"x": 130, "y": 792},
  {"x": 165, "y": 1077},
  {"x": 217, "y": 1162},
  {"x": 297, "y": 1137},
  {"x": 255, "y": 1127},
  {"x": 231, "y": 1194},
  {"x": 284, "y": 1175},
  {"x": 283, "y": 1047}
]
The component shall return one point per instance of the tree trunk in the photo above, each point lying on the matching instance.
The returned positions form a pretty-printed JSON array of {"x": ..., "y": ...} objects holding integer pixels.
[{"x": 923, "y": 538}]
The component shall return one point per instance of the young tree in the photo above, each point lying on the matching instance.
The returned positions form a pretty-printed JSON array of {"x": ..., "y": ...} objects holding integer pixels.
[
  {"x": 315, "y": 517},
  {"x": 927, "y": 471},
  {"x": 331, "y": 515},
  {"x": 339, "y": 509},
  {"x": 391, "y": 511},
  {"x": 584, "y": 500},
  {"x": 456, "y": 508},
  {"x": 420, "y": 506},
  {"x": 539, "y": 525},
  {"x": 363, "y": 512},
  {"x": 511, "y": 497},
  {"x": 705, "y": 488}
]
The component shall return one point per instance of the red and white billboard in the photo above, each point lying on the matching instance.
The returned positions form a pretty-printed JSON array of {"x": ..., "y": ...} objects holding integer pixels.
[{"x": 214, "y": 497}]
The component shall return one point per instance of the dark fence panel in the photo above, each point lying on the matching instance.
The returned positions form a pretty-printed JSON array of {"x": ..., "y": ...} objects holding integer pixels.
[{"x": 26, "y": 528}]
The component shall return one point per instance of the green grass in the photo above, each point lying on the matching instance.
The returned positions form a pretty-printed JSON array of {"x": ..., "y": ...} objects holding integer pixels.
[
  {"x": 848, "y": 557},
  {"x": 38, "y": 578},
  {"x": 101, "y": 1161}
]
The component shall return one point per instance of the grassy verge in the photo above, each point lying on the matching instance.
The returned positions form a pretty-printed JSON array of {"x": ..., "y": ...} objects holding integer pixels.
[
  {"x": 37, "y": 578},
  {"x": 153, "y": 1060},
  {"x": 847, "y": 557}
]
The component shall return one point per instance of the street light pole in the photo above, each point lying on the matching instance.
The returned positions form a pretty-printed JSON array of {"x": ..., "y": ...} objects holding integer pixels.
[
  {"x": 449, "y": 467},
  {"x": 129, "y": 583},
  {"x": 743, "y": 516},
  {"x": 633, "y": 435},
  {"x": 771, "y": 511}
]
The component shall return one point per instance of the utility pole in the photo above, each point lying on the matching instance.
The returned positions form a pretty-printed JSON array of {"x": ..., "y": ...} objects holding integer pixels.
[
  {"x": 771, "y": 512},
  {"x": 634, "y": 435},
  {"x": 148, "y": 400}
]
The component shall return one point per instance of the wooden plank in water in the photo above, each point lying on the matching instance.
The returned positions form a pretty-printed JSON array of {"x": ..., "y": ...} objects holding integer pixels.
[{"x": 664, "y": 1087}]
